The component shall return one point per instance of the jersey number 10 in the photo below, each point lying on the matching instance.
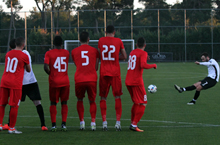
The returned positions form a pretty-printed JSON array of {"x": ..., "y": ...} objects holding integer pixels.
[{"x": 12, "y": 65}]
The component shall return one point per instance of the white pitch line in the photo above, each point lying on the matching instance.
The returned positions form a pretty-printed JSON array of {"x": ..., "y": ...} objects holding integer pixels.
[{"x": 178, "y": 124}]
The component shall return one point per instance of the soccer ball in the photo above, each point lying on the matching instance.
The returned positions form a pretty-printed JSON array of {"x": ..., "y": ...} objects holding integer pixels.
[{"x": 152, "y": 88}]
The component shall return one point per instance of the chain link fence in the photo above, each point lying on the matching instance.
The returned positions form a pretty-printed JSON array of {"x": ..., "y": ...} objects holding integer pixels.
[{"x": 175, "y": 35}]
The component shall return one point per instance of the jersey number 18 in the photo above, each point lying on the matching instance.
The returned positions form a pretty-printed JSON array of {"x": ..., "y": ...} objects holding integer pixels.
[{"x": 132, "y": 62}]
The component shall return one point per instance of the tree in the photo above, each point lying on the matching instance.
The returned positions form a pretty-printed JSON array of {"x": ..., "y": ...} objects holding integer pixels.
[
  {"x": 13, "y": 4},
  {"x": 196, "y": 12},
  {"x": 42, "y": 11}
]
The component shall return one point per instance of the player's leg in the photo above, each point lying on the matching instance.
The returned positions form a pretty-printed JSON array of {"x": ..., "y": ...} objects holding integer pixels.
[
  {"x": 14, "y": 102},
  {"x": 130, "y": 90},
  {"x": 117, "y": 92},
  {"x": 180, "y": 89},
  {"x": 197, "y": 93},
  {"x": 80, "y": 89},
  {"x": 4, "y": 93},
  {"x": 54, "y": 99},
  {"x": 204, "y": 84},
  {"x": 92, "y": 89},
  {"x": 104, "y": 85},
  {"x": 140, "y": 101},
  {"x": 40, "y": 113},
  {"x": 33, "y": 92},
  {"x": 64, "y": 108}
]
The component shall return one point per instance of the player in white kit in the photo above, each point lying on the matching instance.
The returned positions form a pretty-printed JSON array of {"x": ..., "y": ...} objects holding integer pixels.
[
  {"x": 208, "y": 82},
  {"x": 31, "y": 89}
]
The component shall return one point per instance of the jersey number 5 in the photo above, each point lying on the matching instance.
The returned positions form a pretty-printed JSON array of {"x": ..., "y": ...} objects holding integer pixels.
[
  {"x": 86, "y": 57},
  {"x": 112, "y": 47},
  {"x": 132, "y": 62},
  {"x": 12, "y": 65},
  {"x": 60, "y": 61}
]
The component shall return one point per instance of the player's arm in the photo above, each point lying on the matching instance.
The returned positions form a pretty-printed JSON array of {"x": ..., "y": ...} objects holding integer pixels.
[
  {"x": 144, "y": 63},
  {"x": 46, "y": 68},
  {"x": 204, "y": 63},
  {"x": 97, "y": 64},
  {"x": 97, "y": 60},
  {"x": 123, "y": 55},
  {"x": 28, "y": 67}
]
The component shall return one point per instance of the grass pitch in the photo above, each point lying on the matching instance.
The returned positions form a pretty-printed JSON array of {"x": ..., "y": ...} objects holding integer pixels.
[{"x": 167, "y": 119}]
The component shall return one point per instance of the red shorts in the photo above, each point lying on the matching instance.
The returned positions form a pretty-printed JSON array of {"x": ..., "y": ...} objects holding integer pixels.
[
  {"x": 106, "y": 81},
  {"x": 138, "y": 94},
  {"x": 90, "y": 87},
  {"x": 14, "y": 99},
  {"x": 60, "y": 92}
]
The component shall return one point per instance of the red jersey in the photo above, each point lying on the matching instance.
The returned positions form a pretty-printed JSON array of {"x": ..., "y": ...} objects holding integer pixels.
[
  {"x": 136, "y": 64},
  {"x": 57, "y": 59},
  {"x": 85, "y": 58},
  {"x": 12, "y": 78},
  {"x": 109, "y": 51}
]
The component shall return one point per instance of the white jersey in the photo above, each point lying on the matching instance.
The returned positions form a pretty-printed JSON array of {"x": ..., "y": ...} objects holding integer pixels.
[
  {"x": 213, "y": 69},
  {"x": 29, "y": 77}
]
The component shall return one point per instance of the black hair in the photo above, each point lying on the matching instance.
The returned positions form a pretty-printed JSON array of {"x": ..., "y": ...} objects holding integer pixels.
[
  {"x": 84, "y": 36},
  {"x": 110, "y": 29},
  {"x": 205, "y": 54},
  {"x": 57, "y": 41},
  {"x": 12, "y": 43},
  {"x": 140, "y": 42},
  {"x": 19, "y": 41}
]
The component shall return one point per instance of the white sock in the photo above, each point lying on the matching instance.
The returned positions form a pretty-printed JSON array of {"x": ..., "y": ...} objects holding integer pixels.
[
  {"x": 104, "y": 122},
  {"x": 184, "y": 89},
  {"x": 134, "y": 125},
  {"x": 93, "y": 123},
  {"x": 82, "y": 122},
  {"x": 118, "y": 122}
]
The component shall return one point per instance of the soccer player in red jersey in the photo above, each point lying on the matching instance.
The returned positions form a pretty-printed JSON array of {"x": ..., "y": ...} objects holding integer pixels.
[
  {"x": 56, "y": 66},
  {"x": 110, "y": 75},
  {"x": 11, "y": 83},
  {"x": 135, "y": 84},
  {"x": 86, "y": 59}
]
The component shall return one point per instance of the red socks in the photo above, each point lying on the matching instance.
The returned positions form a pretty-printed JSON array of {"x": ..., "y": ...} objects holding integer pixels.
[
  {"x": 64, "y": 112},
  {"x": 80, "y": 110},
  {"x": 103, "y": 108},
  {"x": 118, "y": 109},
  {"x": 93, "y": 110},
  {"x": 133, "y": 110},
  {"x": 2, "y": 113},
  {"x": 53, "y": 113},
  {"x": 13, "y": 116},
  {"x": 138, "y": 113}
]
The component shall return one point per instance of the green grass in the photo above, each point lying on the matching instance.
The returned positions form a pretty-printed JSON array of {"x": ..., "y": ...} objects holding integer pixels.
[{"x": 167, "y": 119}]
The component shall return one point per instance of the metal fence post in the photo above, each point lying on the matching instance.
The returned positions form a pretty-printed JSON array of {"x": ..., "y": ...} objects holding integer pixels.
[
  {"x": 105, "y": 22},
  {"x": 158, "y": 25},
  {"x": 131, "y": 24},
  {"x": 51, "y": 35},
  {"x": 185, "y": 31},
  {"x": 25, "y": 25},
  {"x": 212, "y": 32},
  {"x": 78, "y": 23}
]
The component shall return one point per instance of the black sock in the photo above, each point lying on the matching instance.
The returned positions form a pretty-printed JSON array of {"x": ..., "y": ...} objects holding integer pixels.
[
  {"x": 53, "y": 124},
  {"x": 63, "y": 123},
  {"x": 196, "y": 96},
  {"x": 190, "y": 88},
  {"x": 40, "y": 112}
]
